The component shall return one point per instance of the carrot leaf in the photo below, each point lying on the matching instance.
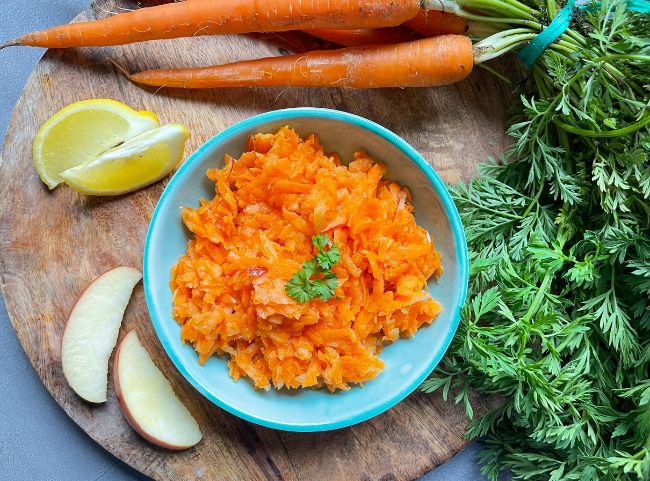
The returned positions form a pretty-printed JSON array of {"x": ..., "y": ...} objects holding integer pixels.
[{"x": 557, "y": 323}]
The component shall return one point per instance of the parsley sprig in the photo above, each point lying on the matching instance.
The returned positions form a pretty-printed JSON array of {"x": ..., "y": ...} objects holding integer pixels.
[{"x": 316, "y": 278}]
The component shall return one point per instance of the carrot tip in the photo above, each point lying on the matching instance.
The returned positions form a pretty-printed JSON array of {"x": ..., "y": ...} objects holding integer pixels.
[
  {"x": 121, "y": 68},
  {"x": 10, "y": 43}
]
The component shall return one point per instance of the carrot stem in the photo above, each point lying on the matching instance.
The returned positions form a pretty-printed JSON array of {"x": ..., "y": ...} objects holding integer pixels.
[
  {"x": 500, "y": 43},
  {"x": 495, "y": 73},
  {"x": 483, "y": 30},
  {"x": 497, "y": 15},
  {"x": 503, "y": 5},
  {"x": 501, "y": 9}
]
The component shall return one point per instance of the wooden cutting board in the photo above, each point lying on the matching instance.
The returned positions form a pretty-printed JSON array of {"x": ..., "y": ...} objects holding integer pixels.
[{"x": 52, "y": 244}]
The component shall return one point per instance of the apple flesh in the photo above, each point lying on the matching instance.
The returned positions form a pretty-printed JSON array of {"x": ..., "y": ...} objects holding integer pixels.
[
  {"x": 92, "y": 329},
  {"x": 148, "y": 400}
]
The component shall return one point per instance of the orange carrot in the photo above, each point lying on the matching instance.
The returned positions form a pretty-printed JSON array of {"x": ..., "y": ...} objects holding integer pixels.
[
  {"x": 364, "y": 36},
  {"x": 422, "y": 63},
  {"x": 208, "y": 17},
  {"x": 431, "y": 23}
]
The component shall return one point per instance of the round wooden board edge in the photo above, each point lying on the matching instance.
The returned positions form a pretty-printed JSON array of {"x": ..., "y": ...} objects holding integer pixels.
[{"x": 33, "y": 78}]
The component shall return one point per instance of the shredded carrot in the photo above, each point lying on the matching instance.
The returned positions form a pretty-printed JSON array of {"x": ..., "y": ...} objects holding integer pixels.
[{"x": 229, "y": 288}]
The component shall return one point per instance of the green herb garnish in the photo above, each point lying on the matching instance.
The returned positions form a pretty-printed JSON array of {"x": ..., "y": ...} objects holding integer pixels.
[{"x": 316, "y": 278}]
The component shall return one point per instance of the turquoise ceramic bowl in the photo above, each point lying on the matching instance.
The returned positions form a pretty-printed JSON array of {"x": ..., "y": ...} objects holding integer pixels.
[{"x": 408, "y": 361}]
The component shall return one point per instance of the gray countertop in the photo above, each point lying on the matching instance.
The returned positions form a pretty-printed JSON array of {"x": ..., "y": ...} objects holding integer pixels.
[{"x": 37, "y": 440}]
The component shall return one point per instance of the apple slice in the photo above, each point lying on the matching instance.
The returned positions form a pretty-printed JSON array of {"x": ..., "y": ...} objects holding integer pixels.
[
  {"x": 148, "y": 400},
  {"x": 91, "y": 331}
]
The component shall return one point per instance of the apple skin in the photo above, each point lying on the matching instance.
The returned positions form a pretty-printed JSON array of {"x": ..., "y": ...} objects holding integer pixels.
[
  {"x": 136, "y": 275},
  {"x": 129, "y": 416}
]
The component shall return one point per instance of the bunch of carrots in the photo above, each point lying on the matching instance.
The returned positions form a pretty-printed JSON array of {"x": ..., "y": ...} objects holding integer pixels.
[{"x": 401, "y": 43}]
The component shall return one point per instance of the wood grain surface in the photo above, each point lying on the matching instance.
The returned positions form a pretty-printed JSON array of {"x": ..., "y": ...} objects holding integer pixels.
[{"x": 52, "y": 244}]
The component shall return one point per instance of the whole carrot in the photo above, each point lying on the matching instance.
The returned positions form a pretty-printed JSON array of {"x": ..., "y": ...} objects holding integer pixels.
[
  {"x": 364, "y": 36},
  {"x": 422, "y": 63},
  {"x": 208, "y": 17},
  {"x": 432, "y": 22}
]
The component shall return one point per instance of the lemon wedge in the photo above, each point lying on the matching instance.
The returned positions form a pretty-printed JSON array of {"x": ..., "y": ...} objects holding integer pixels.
[
  {"x": 139, "y": 161},
  {"x": 82, "y": 131}
]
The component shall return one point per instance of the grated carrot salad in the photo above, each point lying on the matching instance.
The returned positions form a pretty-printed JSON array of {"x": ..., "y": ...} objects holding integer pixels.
[{"x": 229, "y": 288}]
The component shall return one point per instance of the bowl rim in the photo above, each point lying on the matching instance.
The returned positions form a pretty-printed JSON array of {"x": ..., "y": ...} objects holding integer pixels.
[{"x": 448, "y": 206}]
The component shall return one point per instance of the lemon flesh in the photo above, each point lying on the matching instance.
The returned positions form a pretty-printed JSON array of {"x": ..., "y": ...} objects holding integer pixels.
[
  {"x": 139, "y": 161},
  {"x": 82, "y": 131}
]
